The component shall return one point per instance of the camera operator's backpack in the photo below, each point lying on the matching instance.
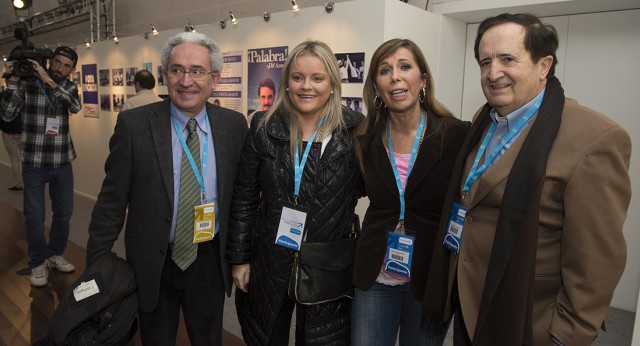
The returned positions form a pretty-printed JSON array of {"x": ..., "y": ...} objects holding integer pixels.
[{"x": 100, "y": 309}]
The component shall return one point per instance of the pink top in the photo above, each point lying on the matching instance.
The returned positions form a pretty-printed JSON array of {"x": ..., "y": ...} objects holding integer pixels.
[{"x": 402, "y": 162}]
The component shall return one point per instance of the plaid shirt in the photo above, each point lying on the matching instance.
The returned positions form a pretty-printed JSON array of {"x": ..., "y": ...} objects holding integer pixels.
[{"x": 26, "y": 97}]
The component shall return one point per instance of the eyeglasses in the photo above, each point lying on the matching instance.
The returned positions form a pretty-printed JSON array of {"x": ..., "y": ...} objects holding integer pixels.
[{"x": 196, "y": 73}]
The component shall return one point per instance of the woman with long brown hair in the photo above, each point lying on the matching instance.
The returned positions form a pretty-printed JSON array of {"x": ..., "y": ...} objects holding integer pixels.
[{"x": 406, "y": 149}]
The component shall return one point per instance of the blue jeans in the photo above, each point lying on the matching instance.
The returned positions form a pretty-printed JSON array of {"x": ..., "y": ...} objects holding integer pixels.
[
  {"x": 61, "y": 193},
  {"x": 379, "y": 312}
]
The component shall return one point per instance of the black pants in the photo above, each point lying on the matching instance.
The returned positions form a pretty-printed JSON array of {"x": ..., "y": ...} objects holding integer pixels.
[{"x": 198, "y": 291}]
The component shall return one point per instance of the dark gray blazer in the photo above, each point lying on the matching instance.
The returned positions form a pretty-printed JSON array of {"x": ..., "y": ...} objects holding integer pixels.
[{"x": 139, "y": 179}]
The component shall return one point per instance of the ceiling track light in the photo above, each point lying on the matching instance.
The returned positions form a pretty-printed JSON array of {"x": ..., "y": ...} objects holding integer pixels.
[
  {"x": 146, "y": 35},
  {"x": 87, "y": 43},
  {"x": 189, "y": 27},
  {"x": 223, "y": 24},
  {"x": 153, "y": 30},
  {"x": 234, "y": 20},
  {"x": 294, "y": 6},
  {"x": 115, "y": 38},
  {"x": 267, "y": 16},
  {"x": 329, "y": 7},
  {"x": 21, "y": 4}
]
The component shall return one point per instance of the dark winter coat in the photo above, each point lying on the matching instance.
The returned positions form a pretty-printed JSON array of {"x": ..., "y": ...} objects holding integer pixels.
[{"x": 330, "y": 187}]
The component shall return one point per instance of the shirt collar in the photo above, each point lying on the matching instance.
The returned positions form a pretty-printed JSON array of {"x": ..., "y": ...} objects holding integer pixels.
[
  {"x": 182, "y": 118},
  {"x": 515, "y": 116}
]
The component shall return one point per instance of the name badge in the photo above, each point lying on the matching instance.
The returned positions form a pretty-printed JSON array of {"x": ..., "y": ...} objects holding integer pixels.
[
  {"x": 397, "y": 261},
  {"x": 53, "y": 127},
  {"x": 85, "y": 290},
  {"x": 204, "y": 222},
  {"x": 290, "y": 228},
  {"x": 453, "y": 238}
]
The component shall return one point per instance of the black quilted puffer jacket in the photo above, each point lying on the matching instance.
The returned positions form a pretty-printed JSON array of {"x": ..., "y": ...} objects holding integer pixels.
[{"x": 329, "y": 190}]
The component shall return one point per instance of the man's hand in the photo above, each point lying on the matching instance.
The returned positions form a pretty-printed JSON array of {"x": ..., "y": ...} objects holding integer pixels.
[{"x": 42, "y": 73}]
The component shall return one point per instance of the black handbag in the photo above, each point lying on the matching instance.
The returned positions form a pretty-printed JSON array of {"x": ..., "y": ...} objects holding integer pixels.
[{"x": 323, "y": 272}]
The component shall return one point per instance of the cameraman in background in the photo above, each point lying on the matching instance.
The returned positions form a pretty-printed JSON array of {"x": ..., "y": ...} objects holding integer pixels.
[{"x": 45, "y": 100}]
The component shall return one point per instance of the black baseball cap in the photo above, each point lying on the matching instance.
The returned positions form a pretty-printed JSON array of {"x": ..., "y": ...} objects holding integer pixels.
[{"x": 67, "y": 52}]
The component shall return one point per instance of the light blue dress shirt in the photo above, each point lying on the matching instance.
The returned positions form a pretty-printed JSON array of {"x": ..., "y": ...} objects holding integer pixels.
[
  {"x": 210, "y": 178},
  {"x": 506, "y": 124}
]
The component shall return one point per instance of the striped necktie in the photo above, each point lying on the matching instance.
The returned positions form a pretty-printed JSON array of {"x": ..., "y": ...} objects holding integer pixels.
[{"x": 184, "y": 250}]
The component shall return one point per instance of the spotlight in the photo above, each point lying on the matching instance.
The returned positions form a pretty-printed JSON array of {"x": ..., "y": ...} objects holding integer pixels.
[
  {"x": 329, "y": 7},
  {"x": 223, "y": 24},
  {"x": 189, "y": 27},
  {"x": 115, "y": 38},
  {"x": 294, "y": 6},
  {"x": 21, "y": 4},
  {"x": 4, "y": 58},
  {"x": 153, "y": 30},
  {"x": 267, "y": 16},
  {"x": 87, "y": 43},
  {"x": 234, "y": 20}
]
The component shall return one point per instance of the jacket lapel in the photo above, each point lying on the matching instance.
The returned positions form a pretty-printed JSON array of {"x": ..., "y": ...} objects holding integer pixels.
[
  {"x": 496, "y": 174},
  {"x": 433, "y": 145},
  {"x": 375, "y": 152},
  {"x": 219, "y": 146},
  {"x": 161, "y": 127}
]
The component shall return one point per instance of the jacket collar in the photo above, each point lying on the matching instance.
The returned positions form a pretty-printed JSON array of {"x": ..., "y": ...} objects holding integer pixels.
[{"x": 435, "y": 142}]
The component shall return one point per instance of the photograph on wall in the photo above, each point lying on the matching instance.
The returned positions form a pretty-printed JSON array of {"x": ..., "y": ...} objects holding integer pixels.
[
  {"x": 105, "y": 102},
  {"x": 147, "y": 66},
  {"x": 90, "y": 90},
  {"x": 118, "y": 101},
  {"x": 117, "y": 76},
  {"x": 353, "y": 103},
  {"x": 130, "y": 75},
  {"x": 75, "y": 77},
  {"x": 104, "y": 77},
  {"x": 351, "y": 67},
  {"x": 160, "y": 75},
  {"x": 228, "y": 93},
  {"x": 264, "y": 67}
]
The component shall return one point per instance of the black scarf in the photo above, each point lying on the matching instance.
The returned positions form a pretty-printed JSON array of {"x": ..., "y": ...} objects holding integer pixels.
[{"x": 505, "y": 314}]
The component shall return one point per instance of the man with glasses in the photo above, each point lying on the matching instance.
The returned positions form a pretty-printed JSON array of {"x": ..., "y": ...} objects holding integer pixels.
[
  {"x": 46, "y": 100},
  {"x": 172, "y": 165}
]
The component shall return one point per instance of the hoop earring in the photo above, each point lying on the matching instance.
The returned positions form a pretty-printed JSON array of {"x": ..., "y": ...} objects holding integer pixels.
[
  {"x": 422, "y": 95},
  {"x": 375, "y": 101}
]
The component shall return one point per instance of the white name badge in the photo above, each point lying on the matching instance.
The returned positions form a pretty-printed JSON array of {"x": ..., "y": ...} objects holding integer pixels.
[
  {"x": 290, "y": 228},
  {"x": 85, "y": 290},
  {"x": 53, "y": 127},
  {"x": 453, "y": 238}
]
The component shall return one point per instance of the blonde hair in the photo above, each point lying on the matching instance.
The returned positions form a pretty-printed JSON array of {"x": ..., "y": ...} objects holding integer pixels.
[{"x": 332, "y": 109}]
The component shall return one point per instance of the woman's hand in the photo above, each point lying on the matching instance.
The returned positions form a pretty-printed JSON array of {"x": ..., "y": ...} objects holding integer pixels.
[{"x": 241, "y": 273}]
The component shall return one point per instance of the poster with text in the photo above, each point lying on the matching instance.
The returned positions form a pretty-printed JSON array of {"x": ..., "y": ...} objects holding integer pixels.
[
  {"x": 228, "y": 93},
  {"x": 90, "y": 90},
  {"x": 264, "y": 68}
]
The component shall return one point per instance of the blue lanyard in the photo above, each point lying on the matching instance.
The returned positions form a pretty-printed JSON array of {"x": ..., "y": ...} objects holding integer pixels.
[
  {"x": 412, "y": 159},
  {"x": 44, "y": 92},
  {"x": 205, "y": 153},
  {"x": 475, "y": 172},
  {"x": 299, "y": 164}
]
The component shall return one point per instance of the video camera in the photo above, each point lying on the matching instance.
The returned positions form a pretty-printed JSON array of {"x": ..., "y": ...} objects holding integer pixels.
[{"x": 22, "y": 67}]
